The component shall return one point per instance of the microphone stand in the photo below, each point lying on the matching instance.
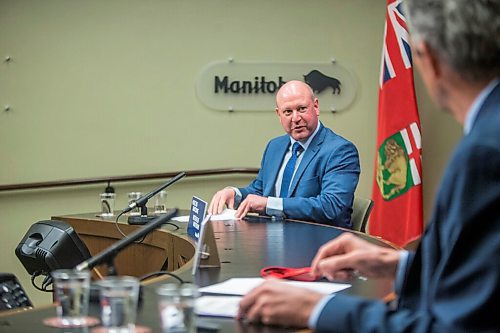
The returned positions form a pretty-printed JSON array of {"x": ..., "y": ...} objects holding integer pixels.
[
  {"x": 140, "y": 219},
  {"x": 108, "y": 255},
  {"x": 142, "y": 201}
]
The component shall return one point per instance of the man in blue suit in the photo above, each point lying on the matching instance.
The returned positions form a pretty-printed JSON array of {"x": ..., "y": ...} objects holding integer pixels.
[
  {"x": 310, "y": 173},
  {"x": 452, "y": 282}
]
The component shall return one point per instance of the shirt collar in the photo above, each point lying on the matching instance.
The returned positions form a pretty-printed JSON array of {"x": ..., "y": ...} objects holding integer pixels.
[
  {"x": 308, "y": 141},
  {"x": 471, "y": 116}
]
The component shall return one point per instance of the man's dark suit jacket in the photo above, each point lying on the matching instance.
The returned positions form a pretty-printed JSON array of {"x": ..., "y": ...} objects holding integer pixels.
[
  {"x": 322, "y": 189},
  {"x": 453, "y": 280}
]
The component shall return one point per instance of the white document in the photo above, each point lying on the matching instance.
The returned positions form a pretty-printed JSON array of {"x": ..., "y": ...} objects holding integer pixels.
[
  {"x": 241, "y": 286},
  {"x": 217, "y": 306},
  {"x": 227, "y": 214},
  {"x": 184, "y": 218}
]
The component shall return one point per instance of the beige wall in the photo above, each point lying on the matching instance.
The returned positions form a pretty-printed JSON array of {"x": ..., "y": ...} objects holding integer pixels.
[{"x": 104, "y": 88}]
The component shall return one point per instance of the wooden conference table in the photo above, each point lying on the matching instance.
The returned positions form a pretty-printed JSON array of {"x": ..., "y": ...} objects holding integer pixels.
[{"x": 244, "y": 248}]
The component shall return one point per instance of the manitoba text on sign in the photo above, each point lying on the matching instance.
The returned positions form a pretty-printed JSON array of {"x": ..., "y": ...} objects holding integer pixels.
[{"x": 252, "y": 86}]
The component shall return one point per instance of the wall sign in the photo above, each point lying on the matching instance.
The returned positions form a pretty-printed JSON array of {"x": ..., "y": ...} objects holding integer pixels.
[{"x": 251, "y": 86}]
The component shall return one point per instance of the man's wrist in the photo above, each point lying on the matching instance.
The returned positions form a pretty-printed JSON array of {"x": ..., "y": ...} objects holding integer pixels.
[
  {"x": 274, "y": 207},
  {"x": 313, "y": 318},
  {"x": 400, "y": 271},
  {"x": 237, "y": 195}
]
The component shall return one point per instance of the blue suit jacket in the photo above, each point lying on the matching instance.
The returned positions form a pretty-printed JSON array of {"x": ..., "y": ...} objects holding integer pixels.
[
  {"x": 322, "y": 189},
  {"x": 453, "y": 280}
]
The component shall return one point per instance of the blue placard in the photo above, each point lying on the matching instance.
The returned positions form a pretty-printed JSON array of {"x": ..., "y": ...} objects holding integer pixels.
[{"x": 196, "y": 216}]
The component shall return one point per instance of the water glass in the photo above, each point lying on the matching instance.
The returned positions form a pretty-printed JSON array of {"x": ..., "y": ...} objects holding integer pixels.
[
  {"x": 107, "y": 204},
  {"x": 176, "y": 307},
  {"x": 160, "y": 206},
  {"x": 71, "y": 293},
  {"x": 119, "y": 296},
  {"x": 133, "y": 196}
]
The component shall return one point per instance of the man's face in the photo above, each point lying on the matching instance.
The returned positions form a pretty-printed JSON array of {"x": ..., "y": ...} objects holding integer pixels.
[
  {"x": 298, "y": 113},
  {"x": 432, "y": 72}
]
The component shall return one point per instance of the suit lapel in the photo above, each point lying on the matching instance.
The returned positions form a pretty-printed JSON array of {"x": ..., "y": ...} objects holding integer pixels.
[
  {"x": 274, "y": 164},
  {"x": 309, "y": 155}
]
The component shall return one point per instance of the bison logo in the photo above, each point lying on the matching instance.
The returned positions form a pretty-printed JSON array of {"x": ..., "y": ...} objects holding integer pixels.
[
  {"x": 392, "y": 169},
  {"x": 397, "y": 171},
  {"x": 319, "y": 82}
]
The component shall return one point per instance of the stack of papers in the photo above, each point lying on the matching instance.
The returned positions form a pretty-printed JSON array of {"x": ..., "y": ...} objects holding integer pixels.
[
  {"x": 232, "y": 290},
  {"x": 218, "y": 306},
  {"x": 241, "y": 286},
  {"x": 227, "y": 214},
  {"x": 182, "y": 218}
]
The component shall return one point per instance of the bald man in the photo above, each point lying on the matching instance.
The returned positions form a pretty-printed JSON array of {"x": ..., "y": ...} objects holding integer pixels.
[{"x": 309, "y": 174}]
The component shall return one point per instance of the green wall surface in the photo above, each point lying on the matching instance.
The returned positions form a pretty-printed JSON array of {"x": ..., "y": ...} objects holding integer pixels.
[{"x": 107, "y": 88}]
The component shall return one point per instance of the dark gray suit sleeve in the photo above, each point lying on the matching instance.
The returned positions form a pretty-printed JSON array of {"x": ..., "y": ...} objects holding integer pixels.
[{"x": 453, "y": 282}]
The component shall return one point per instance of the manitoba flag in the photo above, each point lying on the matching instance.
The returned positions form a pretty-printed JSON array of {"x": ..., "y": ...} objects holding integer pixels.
[{"x": 397, "y": 186}]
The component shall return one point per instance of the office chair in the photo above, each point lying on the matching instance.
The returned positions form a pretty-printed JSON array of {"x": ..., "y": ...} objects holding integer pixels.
[{"x": 361, "y": 210}]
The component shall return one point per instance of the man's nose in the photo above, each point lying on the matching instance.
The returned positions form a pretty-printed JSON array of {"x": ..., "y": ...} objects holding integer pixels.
[{"x": 296, "y": 116}]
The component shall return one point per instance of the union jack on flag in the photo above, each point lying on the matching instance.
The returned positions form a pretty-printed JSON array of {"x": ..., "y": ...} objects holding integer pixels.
[
  {"x": 397, "y": 186},
  {"x": 399, "y": 29}
]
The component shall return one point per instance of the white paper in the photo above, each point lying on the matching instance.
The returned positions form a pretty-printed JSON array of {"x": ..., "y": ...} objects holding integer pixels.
[
  {"x": 227, "y": 214},
  {"x": 218, "y": 306},
  {"x": 241, "y": 286},
  {"x": 183, "y": 218}
]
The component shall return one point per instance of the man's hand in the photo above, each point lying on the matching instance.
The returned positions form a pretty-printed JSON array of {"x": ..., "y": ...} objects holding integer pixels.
[
  {"x": 340, "y": 257},
  {"x": 221, "y": 198},
  {"x": 252, "y": 203},
  {"x": 274, "y": 302}
]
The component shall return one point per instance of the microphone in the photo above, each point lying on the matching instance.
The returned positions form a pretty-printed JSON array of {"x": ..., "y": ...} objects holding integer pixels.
[
  {"x": 109, "y": 253},
  {"x": 141, "y": 202}
]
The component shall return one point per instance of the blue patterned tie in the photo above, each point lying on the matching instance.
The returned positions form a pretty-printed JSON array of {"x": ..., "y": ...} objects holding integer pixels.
[{"x": 289, "y": 169}]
